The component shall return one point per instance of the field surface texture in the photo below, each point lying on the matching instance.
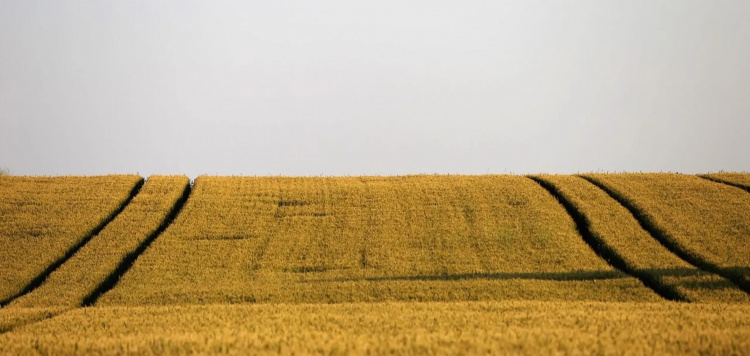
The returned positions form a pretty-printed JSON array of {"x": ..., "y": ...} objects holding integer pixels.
[
  {"x": 617, "y": 229},
  {"x": 426, "y": 238},
  {"x": 705, "y": 222},
  {"x": 548, "y": 264},
  {"x": 739, "y": 180},
  {"x": 43, "y": 219},
  {"x": 510, "y": 327},
  {"x": 80, "y": 277}
]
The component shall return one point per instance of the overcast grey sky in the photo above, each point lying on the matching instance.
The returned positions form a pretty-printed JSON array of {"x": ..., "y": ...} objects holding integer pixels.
[{"x": 373, "y": 87}]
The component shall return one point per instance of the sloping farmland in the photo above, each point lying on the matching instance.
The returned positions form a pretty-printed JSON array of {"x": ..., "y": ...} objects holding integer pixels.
[
  {"x": 44, "y": 220},
  {"x": 94, "y": 267},
  {"x": 617, "y": 229},
  {"x": 413, "y": 238},
  {"x": 739, "y": 180},
  {"x": 705, "y": 223}
]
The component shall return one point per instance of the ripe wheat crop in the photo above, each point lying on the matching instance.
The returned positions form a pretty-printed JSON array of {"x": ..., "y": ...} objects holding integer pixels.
[
  {"x": 424, "y": 238},
  {"x": 42, "y": 218},
  {"x": 709, "y": 221},
  {"x": 11, "y": 318},
  {"x": 619, "y": 229},
  {"x": 738, "y": 179},
  {"x": 508, "y": 327},
  {"x": 403, "y": 265},
  {"x": 93, "y": 263}
]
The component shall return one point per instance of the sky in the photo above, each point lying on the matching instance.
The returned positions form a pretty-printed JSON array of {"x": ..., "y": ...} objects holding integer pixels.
[{"x": 333, "y": 88}]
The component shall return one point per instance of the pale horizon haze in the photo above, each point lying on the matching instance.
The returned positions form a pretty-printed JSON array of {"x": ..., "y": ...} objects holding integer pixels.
[{"x": 311, "y": 88}]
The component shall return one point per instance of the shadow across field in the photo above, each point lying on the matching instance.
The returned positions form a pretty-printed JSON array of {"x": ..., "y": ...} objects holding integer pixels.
[
  {"x": 16, "y": 318},
  {"x": 549, "y": 276},
  {"x": 737, "y": 275},
  {"x": 604, "y": 250}
]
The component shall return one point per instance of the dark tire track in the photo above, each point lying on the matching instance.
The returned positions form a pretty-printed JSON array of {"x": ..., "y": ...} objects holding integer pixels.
[
  {"x": 725, "y": 182},
  {"x": 670, "y": 242},
  {"x": 39, "y": 279},
  {"x": 606, "y": 252},
  {"x": 127, "y": 262}
]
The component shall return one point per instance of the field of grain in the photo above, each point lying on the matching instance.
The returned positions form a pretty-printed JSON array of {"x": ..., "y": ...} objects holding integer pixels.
[
  {"x": 42, "y": 219},
  {"x": 11, "y": 318},
  {"x": 527, "y": 327},
  {"x": 620, "y": 231},
  {"x": 425, "y": 264},
  {"x": 739, "y": 180},
  {"x": 78, "y": 279},
  {"x": 424, "y": 238},
  {"x": 705, "y": 222}
]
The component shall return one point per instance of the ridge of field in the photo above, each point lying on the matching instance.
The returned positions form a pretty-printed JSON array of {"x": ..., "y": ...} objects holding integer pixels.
[
  {"x": 507, "y": 327},
  {"x": 704, "y": 222},
  {"x": 43, "y": 218},
  {"x": 80, "y": 276},
  {"x": 11, "y": 318},
  {"x": 739, "y": 180},
  {"x": 351, "y": 239},
  {"x": 619, "y": 230}
]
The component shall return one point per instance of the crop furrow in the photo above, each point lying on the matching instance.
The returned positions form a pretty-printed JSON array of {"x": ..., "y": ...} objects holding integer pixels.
[
  {"x": 603, "y": 250},
  {"x": 127, "y": 262},
  {"x": 726, "y": 182},
  {"x": 39, "y": 279},
  {"x": 670, "y": 242}
]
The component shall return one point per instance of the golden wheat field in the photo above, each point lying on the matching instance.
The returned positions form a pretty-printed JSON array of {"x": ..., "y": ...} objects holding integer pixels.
[
  {"x": 422, "y": 264},
  {"x": 497, "y": 327},
  {"x": 705, "y": 222},
  {"x": 41, "y": 219},
  {"x": 619, "y": 231},
  {"x": 331, "y": 240},
  {"x": 739, "y": 180}
]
